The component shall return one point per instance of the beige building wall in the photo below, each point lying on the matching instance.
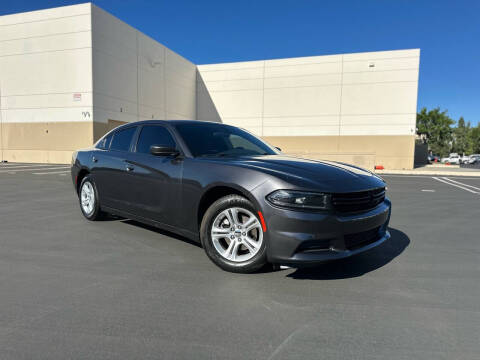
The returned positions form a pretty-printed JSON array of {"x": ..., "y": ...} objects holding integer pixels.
[
  {"x": 359, "y": 108},
  {"x": 135, "y": 77},
  {"x": 45, "y": 84},
  {"x": 69, "y": 74}
]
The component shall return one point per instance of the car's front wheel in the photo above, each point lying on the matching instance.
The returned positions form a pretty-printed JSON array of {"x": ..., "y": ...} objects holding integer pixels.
[
  {"x": 88, "y": 198},
  {"x": 232, "y": 235}
]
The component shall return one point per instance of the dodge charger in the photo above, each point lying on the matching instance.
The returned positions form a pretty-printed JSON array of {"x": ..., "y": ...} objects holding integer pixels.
[{"x": 241, "y": 198}]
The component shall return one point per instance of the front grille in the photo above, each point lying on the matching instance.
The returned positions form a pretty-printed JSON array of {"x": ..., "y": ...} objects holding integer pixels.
[
  {"x": 355, "y": 241},
  {"x": 358, "y": 201}
]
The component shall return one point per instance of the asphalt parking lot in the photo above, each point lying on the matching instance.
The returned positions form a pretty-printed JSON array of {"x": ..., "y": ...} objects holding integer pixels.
[{"x": 73, "y": 289}]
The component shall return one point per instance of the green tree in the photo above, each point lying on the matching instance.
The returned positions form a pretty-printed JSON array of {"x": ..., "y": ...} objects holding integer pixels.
[
  {"x": 474, "y": 140},
  {"x": 461, "y": 137},
  {"x": 435, "y": 125}
]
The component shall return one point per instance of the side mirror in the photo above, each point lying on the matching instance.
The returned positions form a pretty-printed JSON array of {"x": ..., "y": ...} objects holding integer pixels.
[
  {"x": 160, "y": 150},
  {"x": 276, "y": 147}
]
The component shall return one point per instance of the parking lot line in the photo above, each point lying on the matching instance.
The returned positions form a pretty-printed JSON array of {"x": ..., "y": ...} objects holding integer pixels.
[
  {"x": 14, "y": 164},
  {"x": 423, "y": 176},
  {"x": 453, "y": 184},
  {"x": 458, "y": 182},
  {"x": 11, "y": 167},
  {"x": 52, "y": 172},
  {"x": 33, "y": 169}
]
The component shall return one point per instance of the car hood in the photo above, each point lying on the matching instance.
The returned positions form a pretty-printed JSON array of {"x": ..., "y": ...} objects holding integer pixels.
[{"x": 329, "y": 176}]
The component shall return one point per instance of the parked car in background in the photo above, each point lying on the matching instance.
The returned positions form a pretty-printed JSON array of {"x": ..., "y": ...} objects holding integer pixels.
[
  {"x": 452, "y": 159},
  {"x": 455, "y": 159},
  {"x": 246, "y": 203},
  {"x": 474, "y": 159},
  {"x": 465, "y": 159}
]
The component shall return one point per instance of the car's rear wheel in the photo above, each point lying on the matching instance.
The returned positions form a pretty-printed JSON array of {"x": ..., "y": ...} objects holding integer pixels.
[
  {"x": 88, "y": 198},
  {"x": 232, "y": 235}
]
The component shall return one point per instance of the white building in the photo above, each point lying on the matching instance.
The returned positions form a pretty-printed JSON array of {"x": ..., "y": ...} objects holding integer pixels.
[{"x": 69, "y": 74}]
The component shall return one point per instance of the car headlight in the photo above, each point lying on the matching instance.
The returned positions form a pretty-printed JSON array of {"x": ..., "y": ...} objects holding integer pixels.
[{"x": 298, "y": 199}]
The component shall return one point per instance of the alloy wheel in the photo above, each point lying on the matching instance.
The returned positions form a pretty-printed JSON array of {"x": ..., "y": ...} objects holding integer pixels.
[
  {"x": 87, "y": 198},
  {"x": 237, "y": 234}
]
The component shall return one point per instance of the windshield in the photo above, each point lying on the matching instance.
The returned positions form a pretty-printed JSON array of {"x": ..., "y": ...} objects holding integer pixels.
[{"x": 212, "y": 140}]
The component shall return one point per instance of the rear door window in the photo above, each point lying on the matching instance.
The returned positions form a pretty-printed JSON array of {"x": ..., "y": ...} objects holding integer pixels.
[
  {"x": 122, "y": 139},
  {"x": 154, "y": 135}
]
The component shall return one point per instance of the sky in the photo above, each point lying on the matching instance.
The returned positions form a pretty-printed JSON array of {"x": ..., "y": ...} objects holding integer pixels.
[{"x": 212, "y": 31}]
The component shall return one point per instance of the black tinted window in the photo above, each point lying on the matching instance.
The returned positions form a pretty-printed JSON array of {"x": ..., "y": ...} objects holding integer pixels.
[
  {"x": 154, "y": 135},
  {"x": 122, "y": 139},
  {"x": 221, "y": 140},
  {"x": 104, "y": 143}
]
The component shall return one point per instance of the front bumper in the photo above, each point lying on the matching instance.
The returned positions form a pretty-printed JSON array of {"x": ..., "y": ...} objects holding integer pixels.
[
  {"x": 296, "y": 237},
  {"x": 74, "y": 171}
]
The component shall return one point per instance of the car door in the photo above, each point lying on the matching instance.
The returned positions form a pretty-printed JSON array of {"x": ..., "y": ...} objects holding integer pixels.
[
  {"x": 111, "y": 171},
  {"x": 156, "y": 180}
]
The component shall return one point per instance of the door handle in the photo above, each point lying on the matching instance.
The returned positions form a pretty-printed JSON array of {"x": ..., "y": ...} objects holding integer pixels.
[
  {"x": 129, "y": 168},
  {"x": 94, "y": 159}
]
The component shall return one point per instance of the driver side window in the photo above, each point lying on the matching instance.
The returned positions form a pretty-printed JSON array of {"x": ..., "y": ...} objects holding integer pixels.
[{"x": 154, "y": 135}]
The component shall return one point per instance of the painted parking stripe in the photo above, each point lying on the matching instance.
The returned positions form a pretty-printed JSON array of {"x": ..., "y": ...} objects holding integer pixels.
[
  {"x": 31, "y": 169},
  {"x": 458, "y": 186},
  {"x": 17, "y": 170},
  {"x": 27, "y": 166},
  {"x": 24, "y": 165},
  {"x": 52, "y": 172},
  {"x": 406, "y": 176},
  {"x": 7, "y": 165},
  {"x": 459, "y": 183}
]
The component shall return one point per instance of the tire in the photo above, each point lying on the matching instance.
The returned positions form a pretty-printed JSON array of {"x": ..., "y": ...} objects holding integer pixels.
[
  {"x": 232, "y": 236},
  {"x": 88, "y": 194}
]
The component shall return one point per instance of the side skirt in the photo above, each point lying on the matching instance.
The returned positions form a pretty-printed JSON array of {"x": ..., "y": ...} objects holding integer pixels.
[{"x": 188, "y": 234}]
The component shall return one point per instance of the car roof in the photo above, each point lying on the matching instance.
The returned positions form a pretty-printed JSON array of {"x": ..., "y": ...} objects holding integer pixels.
[
  {"x": 170, "y": 122},
  {"x": 164, "y": 122}
]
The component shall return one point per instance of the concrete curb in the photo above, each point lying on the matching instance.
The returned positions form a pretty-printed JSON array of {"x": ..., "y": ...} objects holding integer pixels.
[{"x": 429, "y": 173}]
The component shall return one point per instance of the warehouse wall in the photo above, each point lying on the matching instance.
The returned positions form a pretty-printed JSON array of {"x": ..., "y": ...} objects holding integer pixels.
[
  {"x": 69, "y": 74},
  {"x": 45, "y": 84},
  {"x": 358, "y": 108},
  {"x": 135, "y": 77}
]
